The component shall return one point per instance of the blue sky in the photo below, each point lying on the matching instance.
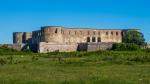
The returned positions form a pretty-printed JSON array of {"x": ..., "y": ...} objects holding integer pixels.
[{"x": 28, "y": 15}]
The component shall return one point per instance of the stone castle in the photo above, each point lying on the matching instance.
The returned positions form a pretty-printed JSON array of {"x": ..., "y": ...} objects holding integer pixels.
[{"x": 56, "y": 38}]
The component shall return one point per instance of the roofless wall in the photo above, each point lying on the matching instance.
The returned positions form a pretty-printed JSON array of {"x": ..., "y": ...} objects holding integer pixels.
[{"x": 63, "y": 35}]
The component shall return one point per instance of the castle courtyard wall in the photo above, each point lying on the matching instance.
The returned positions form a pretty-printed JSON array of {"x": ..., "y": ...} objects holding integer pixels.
[{"x": 50, "y": 47}]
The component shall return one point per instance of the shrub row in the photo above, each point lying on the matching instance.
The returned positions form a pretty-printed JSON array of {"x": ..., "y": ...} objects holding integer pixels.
[{"x": 125, "y": 47}]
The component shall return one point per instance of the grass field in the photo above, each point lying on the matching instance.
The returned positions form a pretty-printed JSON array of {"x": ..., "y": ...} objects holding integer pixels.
[{"x": 101, "y": 67}]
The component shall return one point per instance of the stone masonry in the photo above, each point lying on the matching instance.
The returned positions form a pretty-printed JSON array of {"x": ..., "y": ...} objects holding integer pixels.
[
  {"x": 56, "y": 38},
  {"x": 22, "y": 40}
]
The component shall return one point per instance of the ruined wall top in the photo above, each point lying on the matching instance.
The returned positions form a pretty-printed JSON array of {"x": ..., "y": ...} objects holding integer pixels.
[
  {"x": 46, "y": 27},
  {"x": 21, "y": 37},
  {"x": 59, "y": 34}
]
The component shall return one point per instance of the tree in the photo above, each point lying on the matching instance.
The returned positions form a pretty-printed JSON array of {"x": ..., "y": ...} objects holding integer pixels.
[
  {"x": 135, "y": 37},
  {"x": 125, "y": 47}
]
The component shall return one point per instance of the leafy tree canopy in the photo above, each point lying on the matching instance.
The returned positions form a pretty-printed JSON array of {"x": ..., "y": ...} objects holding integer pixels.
[{"x": 134, "y": 37}]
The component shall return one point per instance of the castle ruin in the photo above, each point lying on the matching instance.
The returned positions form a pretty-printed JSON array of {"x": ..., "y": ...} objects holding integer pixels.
[{"x": 56, "y": 38}]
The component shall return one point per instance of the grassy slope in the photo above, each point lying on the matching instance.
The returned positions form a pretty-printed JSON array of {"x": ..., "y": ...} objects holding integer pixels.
[{"x": 111, "y": 67}]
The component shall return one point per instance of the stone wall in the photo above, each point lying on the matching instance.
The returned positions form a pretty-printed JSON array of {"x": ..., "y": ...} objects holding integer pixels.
[
  {"x": 56, "y": 38},
  {"x": 18, "y": 37},
  {"x": 22, "y": 40},
  {"x": 22, "y": 37},
  {"x": 19, "y": 47},
  {"x": 52, "y": 47},
  {"x": 63, "y": 35},
  {"x": 36, "y": 37},
  {"x": 77, "y": 35},
  {"x": 27, "y": 37},
  {"x": 99, "y": 46},
  {"x": 94, "y": 35}
]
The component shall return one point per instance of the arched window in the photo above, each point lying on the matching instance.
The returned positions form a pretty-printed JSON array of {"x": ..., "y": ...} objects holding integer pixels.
[
  {"x": 93, "y": 39},
  {"x": 98, "y": 39},
  {"x": 106, "y": 33},
  {"x": 56, "y": 31},
  {"x": 75, "y": 32},
  {"x": 99, "y": 33},
  {"x": 88, "y": 39},
  {"x": 116, "y": 33},
  {"x": 47, "y": 50},
  {"x": 122, "y": 33},
  {"x": 112, "y": 33}
]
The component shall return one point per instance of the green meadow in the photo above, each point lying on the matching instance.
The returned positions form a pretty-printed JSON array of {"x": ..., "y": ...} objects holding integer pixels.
[{"x": 100, "y": 67}]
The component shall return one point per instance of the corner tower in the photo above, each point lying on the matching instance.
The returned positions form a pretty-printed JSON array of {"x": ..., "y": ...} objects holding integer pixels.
[
  {"x": 17, "y": 37},
  {"x": 22, "y": 37},
  {"x": 51, "y": 34}
]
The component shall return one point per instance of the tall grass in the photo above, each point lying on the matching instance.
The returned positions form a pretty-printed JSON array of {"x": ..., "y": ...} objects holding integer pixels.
[{"x": 99, "y": 67}]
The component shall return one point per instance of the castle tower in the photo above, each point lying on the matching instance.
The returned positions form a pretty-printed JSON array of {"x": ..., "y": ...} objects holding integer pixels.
[
  {"x": 27, "y": 36},
  {"x": 21, "y": 37},
  {"x": 17, "y": 37},
  {"x": 51, "y": 34}
]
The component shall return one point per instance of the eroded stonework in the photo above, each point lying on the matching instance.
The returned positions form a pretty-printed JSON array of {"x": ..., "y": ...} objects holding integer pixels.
[{"x": 55, "y": 38}]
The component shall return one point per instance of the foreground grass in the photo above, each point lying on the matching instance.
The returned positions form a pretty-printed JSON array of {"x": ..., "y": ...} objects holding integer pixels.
[{"x": 102, "y": 67}]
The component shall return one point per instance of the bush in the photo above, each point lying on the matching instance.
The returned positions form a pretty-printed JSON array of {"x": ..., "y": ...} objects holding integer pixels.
[
  {"x": 147, "y": 50},
  {"x": 9, "y": 51},
  {"x": 3, "y": 61},
  {"x": 11, "y": 59},
  {"x": 136, "y": 37},
  {"x": 125, "y": 47}
]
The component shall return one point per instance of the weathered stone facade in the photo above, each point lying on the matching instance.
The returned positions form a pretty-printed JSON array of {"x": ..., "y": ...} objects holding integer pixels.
[
  {"x": 22, "y": 40},
  {"x": 22, "y": 37},
  {"x": 50, "y": 47},
  {"x": 55, "y": 38},
  {"x": 76, "y": 35},
  {"x": 95, "y": 46}
]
